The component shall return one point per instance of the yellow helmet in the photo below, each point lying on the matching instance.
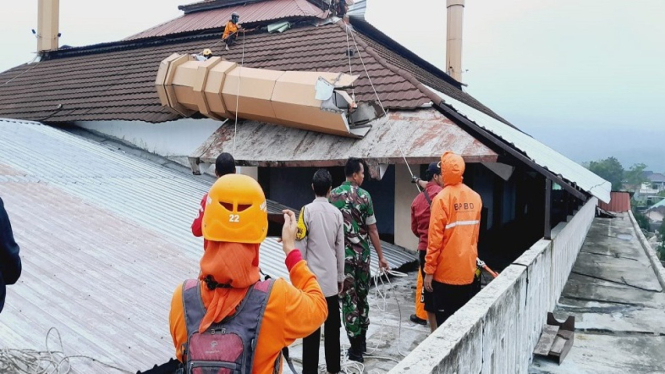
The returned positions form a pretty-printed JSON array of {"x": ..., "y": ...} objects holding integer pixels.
[
  {"x": 207, "y": 52},
  {"x": 236, "y": 211}
]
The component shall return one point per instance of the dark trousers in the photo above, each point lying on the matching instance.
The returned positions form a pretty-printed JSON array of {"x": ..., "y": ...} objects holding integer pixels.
[
  {"x": 310, "y": 344},
  {"x": 449, "y": 298},
  {"x": 231, "y": 39}
]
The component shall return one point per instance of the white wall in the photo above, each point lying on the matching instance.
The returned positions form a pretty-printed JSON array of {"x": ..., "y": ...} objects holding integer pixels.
[
  {"x": 497, "y": 331},
  {"x": 405, "y": 192},
  {"x": 170, "y": 139}
]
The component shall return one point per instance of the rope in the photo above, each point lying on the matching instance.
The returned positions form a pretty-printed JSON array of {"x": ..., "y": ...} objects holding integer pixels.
[
  {"x": 383, "y": 294},
  {"x": 242, "y": 63},
  {"x": 348, "y": 54},
  {"x": 30, "y": 361},
  {"x": 24, "y": 71},
  {"x": 381, "y": 289},
  {"x": 367, "y": 73}
]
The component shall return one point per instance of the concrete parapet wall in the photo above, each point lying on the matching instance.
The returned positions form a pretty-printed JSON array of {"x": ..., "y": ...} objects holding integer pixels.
[
  {"x": 497, "y": 331},
  {"x": 650, "y": 251}
]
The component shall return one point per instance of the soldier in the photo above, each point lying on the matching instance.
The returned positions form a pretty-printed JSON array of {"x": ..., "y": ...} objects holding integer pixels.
[{"x": 359, "y": 227}]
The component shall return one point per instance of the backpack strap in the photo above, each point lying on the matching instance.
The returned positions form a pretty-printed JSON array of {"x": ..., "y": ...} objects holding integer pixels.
[
  {"x": 192, "y": 305},
  {"x": 260, "y": 292},
  {"x": 429, "y": 201}
]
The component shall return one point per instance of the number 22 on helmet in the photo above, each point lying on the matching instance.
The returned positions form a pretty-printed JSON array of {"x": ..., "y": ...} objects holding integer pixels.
[{"x": 236, "y": 211}]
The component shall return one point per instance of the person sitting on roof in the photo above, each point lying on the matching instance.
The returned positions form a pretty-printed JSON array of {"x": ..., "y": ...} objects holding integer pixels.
[
  {"x": 227, "y": 317},
  {"x": 206, "y": 54},
  {"x": 231, "y": 30}
]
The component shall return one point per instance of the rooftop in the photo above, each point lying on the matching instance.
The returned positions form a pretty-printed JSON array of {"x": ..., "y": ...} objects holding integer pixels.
[
  {"x": 105, "y": 239},
  {"x": 656, "y": 177},
  {"x": 115, "y": 81},
  {"x": 251, "y": 13},
  {"x": 617, "y": 300}
]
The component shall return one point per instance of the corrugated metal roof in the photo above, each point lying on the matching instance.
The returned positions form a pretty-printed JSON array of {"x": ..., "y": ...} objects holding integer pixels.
[
  {"x": 535, "y": 150},
  {"x": 421, "y": 134},
  {"x": 659, "y": 204},
  {"x": 104, "y": 241},
  {"x": 250, "y": 13},
  {"x": 620, "y": 202},
  {"x": 123, "y": 184}
]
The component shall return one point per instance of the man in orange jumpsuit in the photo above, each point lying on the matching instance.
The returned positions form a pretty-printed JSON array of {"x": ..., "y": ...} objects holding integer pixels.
[
  {"x": 228, "y": 318},
  {"x": 452, "y": 248}
]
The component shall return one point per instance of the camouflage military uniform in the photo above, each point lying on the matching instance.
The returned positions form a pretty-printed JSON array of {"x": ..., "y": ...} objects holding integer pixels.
[{"x": 358, "y": 212}]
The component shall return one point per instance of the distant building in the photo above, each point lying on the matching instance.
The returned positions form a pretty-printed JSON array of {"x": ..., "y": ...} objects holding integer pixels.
[
  {"x": 655, "y": 183},
  {"x": 656, "y": 212}
]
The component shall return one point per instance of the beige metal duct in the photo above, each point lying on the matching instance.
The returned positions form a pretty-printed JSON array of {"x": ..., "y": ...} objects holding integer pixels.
[
  {"x": 47, "y": 25},
  {"x": 218, "y": 88},
  {"x": 454, "y": 39}
]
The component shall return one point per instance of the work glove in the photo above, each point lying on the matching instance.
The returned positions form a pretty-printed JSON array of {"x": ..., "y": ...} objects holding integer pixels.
[{"x": 415, "y": 179}]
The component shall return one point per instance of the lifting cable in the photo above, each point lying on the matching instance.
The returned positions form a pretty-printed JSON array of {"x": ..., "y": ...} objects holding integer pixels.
[
  {"x": 365, "y": 67},
  {"x": 24, "y": 71},
  {"x": 348, "y": 54},
  {"x": 242, "y": 63}
]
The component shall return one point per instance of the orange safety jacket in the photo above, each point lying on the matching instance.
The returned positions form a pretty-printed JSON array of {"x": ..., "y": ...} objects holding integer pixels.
[
  {"x": 293, "y": 312},
  {"x": 452, "y": 246},
  {"x": 230, "y": 28}
]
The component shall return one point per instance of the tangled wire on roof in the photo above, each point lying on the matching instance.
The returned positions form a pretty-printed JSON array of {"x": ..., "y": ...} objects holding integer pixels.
[{"x": 30, "y": 361}]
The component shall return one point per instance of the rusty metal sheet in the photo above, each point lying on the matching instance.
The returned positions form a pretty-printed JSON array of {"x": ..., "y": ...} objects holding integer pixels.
[
  {"x": 619, "y": 202},
  {"x": 422, "y": 135}
]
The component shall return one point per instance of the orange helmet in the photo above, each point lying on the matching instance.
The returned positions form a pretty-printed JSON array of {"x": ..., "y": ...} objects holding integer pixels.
[{"x": 236, "y": 211}]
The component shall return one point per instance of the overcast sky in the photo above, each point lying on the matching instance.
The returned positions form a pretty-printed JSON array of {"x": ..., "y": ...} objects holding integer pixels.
[{"x": 586, "y": 77}]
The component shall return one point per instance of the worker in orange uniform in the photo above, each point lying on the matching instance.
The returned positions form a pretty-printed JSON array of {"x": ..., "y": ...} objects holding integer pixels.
[
  {"x": 227, "y": 318},
  {"x": 420, "y": 217},
  {"x": 231, "y": 30},
  {"x": 452, "y": 247}
]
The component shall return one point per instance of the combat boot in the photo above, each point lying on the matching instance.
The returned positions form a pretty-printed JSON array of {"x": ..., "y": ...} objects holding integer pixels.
[{"x": 355, "y": 352}]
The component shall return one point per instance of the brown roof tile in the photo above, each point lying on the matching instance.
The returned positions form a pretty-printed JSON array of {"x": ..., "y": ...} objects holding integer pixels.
[
  {"x": 249, "y": 14},
  {"x": 116, "y": 81}
]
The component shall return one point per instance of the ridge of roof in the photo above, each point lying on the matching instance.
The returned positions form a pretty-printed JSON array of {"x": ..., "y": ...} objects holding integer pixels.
[
  {"x": 214, "y": 4},
  {"x": 125, "y": 44},
  {"x": 252, "y": 14}
]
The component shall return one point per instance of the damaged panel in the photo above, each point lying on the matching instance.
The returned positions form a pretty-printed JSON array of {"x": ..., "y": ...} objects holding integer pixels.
[{"x": 422, "y": 135}]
